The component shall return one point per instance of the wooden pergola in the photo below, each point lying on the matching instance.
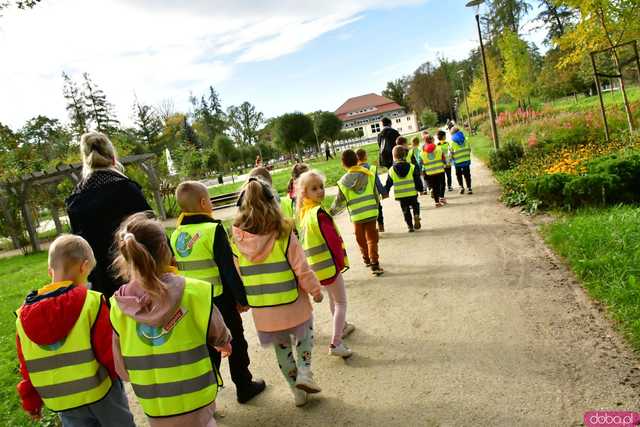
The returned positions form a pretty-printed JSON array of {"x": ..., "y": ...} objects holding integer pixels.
[{"x": 21, "y": 187}]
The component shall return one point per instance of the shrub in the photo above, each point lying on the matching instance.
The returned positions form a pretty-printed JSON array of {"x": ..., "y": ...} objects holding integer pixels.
[
  {"x": 626, "y": 169},
  {"x": 506, "y": 157},
  {"x": 428, "y": 118},
  {"x": 589, "y": 190},
  {"x": 549, "y": 189}
]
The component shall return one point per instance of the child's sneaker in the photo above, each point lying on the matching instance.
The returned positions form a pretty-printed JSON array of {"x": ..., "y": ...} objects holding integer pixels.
[
  {"x": 450, "y": 188},
  {"x": 300, "y": 396},
  {"x": 443, "y": 200},
  {"x": 462, "y": 191},
  {"x": 469, "y": 191},
  {"x": 305, "y": 381},
  {"x": 347, "y": 330},
  {"x": 380, "y": 228},
  {"x": 416, "y": 223},
  {"x": 376, "y": 270},
  {"x": 439, "y": 205},
  {"x": 340, "y": 351},
  {"x": 411, "y": 230}
]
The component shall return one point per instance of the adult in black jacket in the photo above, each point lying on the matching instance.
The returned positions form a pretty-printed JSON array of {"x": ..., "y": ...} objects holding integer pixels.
[
  {"x": 100, "y": 202},
  {"x": 386, "y": 141}
]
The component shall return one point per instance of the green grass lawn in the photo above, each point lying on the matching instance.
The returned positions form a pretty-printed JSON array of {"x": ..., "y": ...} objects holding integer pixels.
[
  {"x": 603, "y": 248},
  {"x": 610, "y": 99},
  {"x": 481, "y": 146}
]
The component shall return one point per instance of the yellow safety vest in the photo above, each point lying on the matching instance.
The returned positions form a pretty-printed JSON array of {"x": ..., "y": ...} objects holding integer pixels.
[
  {"x": 288, "y": 207},
  {"x": 444, "y": 145},
  {"x": 315, "y": 246},
  {"x": 66, "y": 374},
  {"x": 361, "y": 206},
  {"x": 270, "y": 282},
  {"x": 432, "y": 163},
  {"x": 192, "y": 246},
  {"x": 460, "y": 153},
  {"x": 170, "y": 367},
  {"x": 403, "y": 186}
]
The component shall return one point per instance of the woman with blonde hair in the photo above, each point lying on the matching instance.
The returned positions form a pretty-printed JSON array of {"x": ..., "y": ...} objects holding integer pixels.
[{"x": 101, "y": 200}]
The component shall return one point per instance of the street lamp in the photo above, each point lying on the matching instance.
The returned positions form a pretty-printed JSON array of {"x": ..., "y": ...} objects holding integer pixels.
[
  {"x": 492, "y": 113},
  {"x": 466, "y": 102}
]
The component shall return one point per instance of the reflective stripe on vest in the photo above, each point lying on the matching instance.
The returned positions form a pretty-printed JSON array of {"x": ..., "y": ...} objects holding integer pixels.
[
  {"x": 170, "y": 368},
  {"x": 361, "y": 206},
  {"x": 192, "y": 246},
  {"x": 66, "y": 374},
  {"x": 315, "y": 246},
  {"x": 459, "y": 153},
  {"x": 432, "y": 163},
  {"x": 403, "y": 186},
  {"x": 270, "y": 282}
]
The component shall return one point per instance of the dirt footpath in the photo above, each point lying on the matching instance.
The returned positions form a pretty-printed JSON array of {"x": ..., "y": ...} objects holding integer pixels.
[{"x": 474, "y": 323}]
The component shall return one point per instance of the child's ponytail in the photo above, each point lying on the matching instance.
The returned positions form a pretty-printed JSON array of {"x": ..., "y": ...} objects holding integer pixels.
[
  {"x": 258, "y": 211},
  {"x": 143, "y": 253}
]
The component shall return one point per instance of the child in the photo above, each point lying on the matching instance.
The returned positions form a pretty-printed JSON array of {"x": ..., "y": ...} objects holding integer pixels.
[
  {"x": 264, "y": 174},
  {"x": 410, "y": 158},
  {"x": 325, "y": 253},
  {"x": 64, "y": 345},
  {"x": 166, "y": 327},
  {"x": 444, "y": 145},
  {"x": 405, "y": 178},
  {"x": 363, "y": 161},
  {"x": 288, "y": 202},
  {"x": 433, "y": 160},
  {"x": 277, "y": 281},
  {"x": 357, "y": 191},
  {"x": 202, "y": 251},
  {"x": 415, "y": 152},
  {"x": 461, "y": 155}
]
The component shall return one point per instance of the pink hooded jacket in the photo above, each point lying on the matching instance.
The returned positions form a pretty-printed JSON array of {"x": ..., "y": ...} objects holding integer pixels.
[{"x": 272, "y": 319}]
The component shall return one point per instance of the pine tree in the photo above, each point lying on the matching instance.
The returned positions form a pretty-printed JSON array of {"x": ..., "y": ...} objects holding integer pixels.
[
  {"x": 75, "y": 106},
  {"x": 148, "y": 123},
  {"x": 99, "y": 109}
]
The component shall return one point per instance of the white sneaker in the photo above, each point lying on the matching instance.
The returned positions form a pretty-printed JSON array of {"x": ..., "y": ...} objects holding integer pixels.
[
  {"x": 305, "y": 381},
  {"x": 341, "y": 351},
  {"x": 300, "y": 396},
  {"x": 348, "y": 329}
]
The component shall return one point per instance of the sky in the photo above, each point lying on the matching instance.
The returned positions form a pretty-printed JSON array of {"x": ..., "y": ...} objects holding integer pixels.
[{"x": 282, "y": 56}]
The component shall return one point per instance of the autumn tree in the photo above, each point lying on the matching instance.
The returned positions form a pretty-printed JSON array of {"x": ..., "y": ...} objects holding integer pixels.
[
  {"x": 556, "y": 18},
  {"x": 430, "y": 87},
  {"x": 244, "y": 122},
  {"x": 518, "y": 67}
]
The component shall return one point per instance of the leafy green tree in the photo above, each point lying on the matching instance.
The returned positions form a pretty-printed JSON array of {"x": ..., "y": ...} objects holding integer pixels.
[
  {"x": 326, "y": 126},
  {"x": 76, "y": 106},
  {"x": 556, "y": 18},
  {"x": 518, "y": 75},
  {"x": 148, "y": 125},
  {"x": 504, "y": 15},
  {"x": 209, "y": 117},
  {"x": 227, "y": 152},
  {"x": 396, "y": 90},
  {"x": 431, "y": 88},
  {"x": 244, "y": 122},
  {"x": 428, "y": 118},
  {"x": 293, "y": 131},
  {"x": 99, "y": 110},
  {"x": 47, "y": 137}
]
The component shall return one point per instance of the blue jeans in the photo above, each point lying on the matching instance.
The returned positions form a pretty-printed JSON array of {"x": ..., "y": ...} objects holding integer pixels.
[{"x": 111, "y": 411}]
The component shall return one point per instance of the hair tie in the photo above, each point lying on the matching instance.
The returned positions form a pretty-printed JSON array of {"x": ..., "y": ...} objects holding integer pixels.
[{"x": 128, "y": 236}]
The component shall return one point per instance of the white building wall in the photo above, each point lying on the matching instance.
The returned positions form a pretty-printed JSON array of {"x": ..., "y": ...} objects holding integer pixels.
[{"x": 402, "y": 122}]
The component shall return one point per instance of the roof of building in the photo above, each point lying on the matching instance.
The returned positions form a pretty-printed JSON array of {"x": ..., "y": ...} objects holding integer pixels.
[{"x": 366, "y": 105}]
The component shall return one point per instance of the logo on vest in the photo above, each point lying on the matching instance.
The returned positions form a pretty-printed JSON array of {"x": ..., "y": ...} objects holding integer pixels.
[
  {"x": 185, "y": 243},
  {"x": 431, "y": 155},
  {"x": 152, "y": 335},
  {"x": 55, "y": 346}
]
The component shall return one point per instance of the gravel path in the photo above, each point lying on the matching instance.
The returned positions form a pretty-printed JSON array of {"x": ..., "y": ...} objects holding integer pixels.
[{"x": 475, "y": 322}]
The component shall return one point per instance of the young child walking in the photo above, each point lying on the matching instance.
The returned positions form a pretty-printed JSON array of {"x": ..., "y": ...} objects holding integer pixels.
[
  {"x": 64, "y": 345},
  {"x": 444, "y": 146},
  {"x": 325, "y": 253},
  {"x": 433, "y": 161},
  {"x": 364, "y": 162},
  {"x": 202, "y": 251},
  {"x": 288, "y": 202},
  {"x": 357, "y": 192},
  {"x": 405, "y": 179},
  {"x": 166, "y": 329},
  {"x": 461, "y": 155},
  {"x": 277, "y": 280}
]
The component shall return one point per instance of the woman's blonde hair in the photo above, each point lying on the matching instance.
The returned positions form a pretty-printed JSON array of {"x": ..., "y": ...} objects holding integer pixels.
[
  {"x": 303, "y": 182},
  {"x": 97, "y": 153},
  {"x": 258, "y": 210},
  {"x": 143, "y": 251}
]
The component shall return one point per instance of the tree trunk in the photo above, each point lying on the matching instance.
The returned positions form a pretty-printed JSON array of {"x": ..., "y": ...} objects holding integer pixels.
[{"x": 55, "y": 215}]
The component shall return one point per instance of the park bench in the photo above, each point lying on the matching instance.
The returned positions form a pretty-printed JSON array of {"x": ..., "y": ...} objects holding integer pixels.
[{"x": 226, "y": 200}]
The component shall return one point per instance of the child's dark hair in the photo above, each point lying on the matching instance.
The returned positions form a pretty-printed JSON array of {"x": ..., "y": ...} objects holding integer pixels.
[
  {"x": 386, "y": 121},
  {"x": 143, "y": 249},
  {"x": 361, "y": 153},
  {"x": 298, "y": 169},
  {"x": 349, "y": 158},
  {"x": 442, "y": 135},
  {"x": 401, "y": 140},
  {"x": 399, "y": 152},
  {"x": 415, "y": 141}
]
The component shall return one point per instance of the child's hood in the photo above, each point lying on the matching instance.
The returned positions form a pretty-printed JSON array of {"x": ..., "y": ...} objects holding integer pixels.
[
  {"x": 256, "y": 247},
  {"x": 48, "y": 319},
  {"x": 430, "y": 148},
  {"x": 356, "y": 181},
  {"x": 458, "y": 138},
  {"x": 402, "y": 168},
  {"x": 135, "y": 302}
]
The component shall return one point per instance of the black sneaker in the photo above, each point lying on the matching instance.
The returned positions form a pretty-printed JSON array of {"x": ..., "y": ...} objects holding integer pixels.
[
  {"x": 251, "y": 391},
  {"x": 412, "y": 230},
  {"x": 462, "y": 191},
  {"x": 376, "y": 270},
  {"x": 450, "y": 188},
  {"x": 469, "y": 191}
]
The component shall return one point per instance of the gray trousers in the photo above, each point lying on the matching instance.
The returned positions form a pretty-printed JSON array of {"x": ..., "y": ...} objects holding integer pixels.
[{"x": 111, "y": 411}]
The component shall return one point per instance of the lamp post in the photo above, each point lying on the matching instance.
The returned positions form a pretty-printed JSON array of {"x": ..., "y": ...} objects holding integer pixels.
[
  {"x": 466, "y": 102},
  {"x": 492, "y": 113}
]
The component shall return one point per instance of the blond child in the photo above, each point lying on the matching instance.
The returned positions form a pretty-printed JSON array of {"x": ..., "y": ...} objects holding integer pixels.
[
  {"x": 326, "y": 254},
  {"x": 64, "y": 345},
  {"x": 166, "y": 328},
  {"x": 277, "y": 281}
]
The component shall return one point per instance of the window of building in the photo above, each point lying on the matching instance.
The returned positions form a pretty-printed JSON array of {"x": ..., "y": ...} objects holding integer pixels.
[
  {"x": 375, "y": 128},
  {"x": 397, "y": 120},
  {"x": 400, "y": 130},
  {"x": 408, "y": 119}
]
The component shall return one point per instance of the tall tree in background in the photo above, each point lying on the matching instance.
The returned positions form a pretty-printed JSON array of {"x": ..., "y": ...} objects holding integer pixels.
[
  {"x": 47, "y": 137},
  {"x": 504, "y": 15},
  {"x": 477, "y": 95},
  {"x": 556, "y": 18},
  {"x": 75, "y": 106},
  {"x": 326, "y": 126},
  {"x": 244, "y": 122},
  {"x": 99, "y": 110},
  {"x": 396, "y": 90},
  {"x": 518, "y": 75},
  {"x": 293, "y": 131},
  {"x": 148, "y": 124},
  {"x": 209, "y": 117},
  {"x": 430, "y": 87}
]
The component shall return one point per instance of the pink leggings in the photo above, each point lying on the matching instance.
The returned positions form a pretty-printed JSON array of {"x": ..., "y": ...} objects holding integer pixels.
[{"x": 338, "y": 305}]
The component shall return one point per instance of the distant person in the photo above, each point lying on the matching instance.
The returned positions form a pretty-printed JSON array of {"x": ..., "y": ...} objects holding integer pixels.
[
  {"x": 288, "y": 202},
  {"x": 446, "y": 150},
  {"x": 461, "y": 155},
  {"x": 386, "y": 141},
  {"x": 407, "y": 183},
  {"x": 64, "y": 336},
  {"x": 100, "y": 202},
  {"x": 363, "y": 161},
  {"x": 327, "y": 151},
  {"x": 433, "y": 160}
]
